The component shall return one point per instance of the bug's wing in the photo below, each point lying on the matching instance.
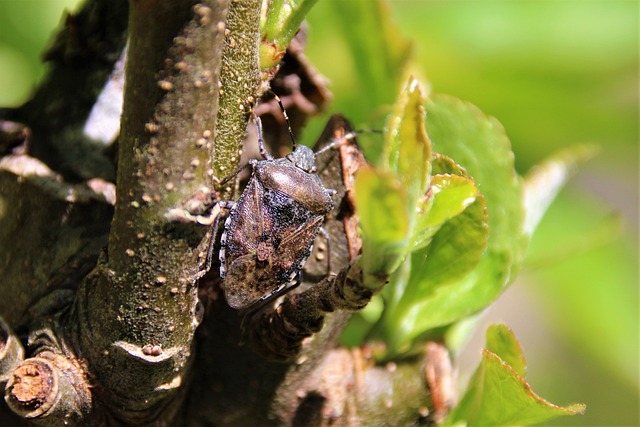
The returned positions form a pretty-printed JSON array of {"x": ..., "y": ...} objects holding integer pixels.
[
  {"x": 256, "y": 278},
  {"x": 250, "y": 223},
  {"x": 252, "y": 280},
  {"x": 295, "y": 245},
  {"x": 247, "y": 279}
]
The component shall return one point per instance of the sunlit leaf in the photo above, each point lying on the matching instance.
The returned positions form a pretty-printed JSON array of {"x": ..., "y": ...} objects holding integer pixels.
[
  {"x": 502, "y": 341},
  {"x": 464, "y": 269},
  {"x": 498, "y": 394},
  {"x": 381, "y": 203},
  {"x": 454, "y": 251},
  {"x": 449, "y": 195},
  {"x": 407, "y": 150},
  {"x": 479, "y": 144},
  {"x": 440, "y": 286},
  {"x": 387, "y": 198},
  {"x": 444, "y": 165}
]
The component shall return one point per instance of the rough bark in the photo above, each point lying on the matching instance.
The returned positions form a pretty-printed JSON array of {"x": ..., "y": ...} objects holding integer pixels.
[
  {"x": 105, "y": 319},
  {"x": 138, "y": 310}
]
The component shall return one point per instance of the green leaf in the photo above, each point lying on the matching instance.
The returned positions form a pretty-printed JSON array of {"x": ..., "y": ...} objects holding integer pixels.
[
  {"x": 477, "y": 143},
  {"x": 388, "y": 198},
  {"x": 502, "y": 341},
  {"x": 449, "y": 196},
  {"x": 454, "y": 251},
  {"x": 381, "y": 202},
  {"x": 385, "y": 220},
  {"x": 498, "y": 395},
  {"x": 443, "y": 165},
  {"x": 442, "y": 277},
  {"x": 407, "y": 150}
]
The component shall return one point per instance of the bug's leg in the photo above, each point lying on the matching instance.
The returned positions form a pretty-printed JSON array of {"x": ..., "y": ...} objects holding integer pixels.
[
  {"x": 223, "y": 204},
  {"x": 258, "y": 307},
  {"x": 324, "y": 234},
  {"x": 272, "y": 296},
  {"x": 235, "y": 173},
  {"x": 263, "y": 151},
  {"x": 223, "y": 239}
]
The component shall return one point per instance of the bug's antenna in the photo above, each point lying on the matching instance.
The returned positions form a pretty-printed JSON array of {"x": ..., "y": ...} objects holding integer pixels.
[
  {"x": 284, "y": 113},
  {"x": 348, "y": 136}
]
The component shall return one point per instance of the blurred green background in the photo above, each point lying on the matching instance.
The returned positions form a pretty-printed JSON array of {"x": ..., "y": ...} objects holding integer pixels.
[{"x": 555, "y": 73}]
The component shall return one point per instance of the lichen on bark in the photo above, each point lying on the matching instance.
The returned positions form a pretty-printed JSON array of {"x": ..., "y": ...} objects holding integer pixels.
[{"x": 239, "y": 86}]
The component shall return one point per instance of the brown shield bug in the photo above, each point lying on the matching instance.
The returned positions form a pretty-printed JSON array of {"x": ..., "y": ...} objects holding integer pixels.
[{"x": 269, "y": 231}]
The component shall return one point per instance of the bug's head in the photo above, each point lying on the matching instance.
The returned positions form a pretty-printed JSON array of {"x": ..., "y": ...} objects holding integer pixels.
[{"x": 303, "y": 158}]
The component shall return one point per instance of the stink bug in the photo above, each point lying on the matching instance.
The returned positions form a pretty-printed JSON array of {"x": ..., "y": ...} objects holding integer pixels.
[{"x": 269, "y": 232}]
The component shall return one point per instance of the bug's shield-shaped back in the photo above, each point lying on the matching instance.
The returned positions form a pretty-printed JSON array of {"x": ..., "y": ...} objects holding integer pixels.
[{"x": 268, "y": 238}]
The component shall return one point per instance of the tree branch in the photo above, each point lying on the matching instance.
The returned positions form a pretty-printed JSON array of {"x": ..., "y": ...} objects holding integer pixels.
[
  {"x": 138, "y": 310},
  {"x": 239, "y": 85}
]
